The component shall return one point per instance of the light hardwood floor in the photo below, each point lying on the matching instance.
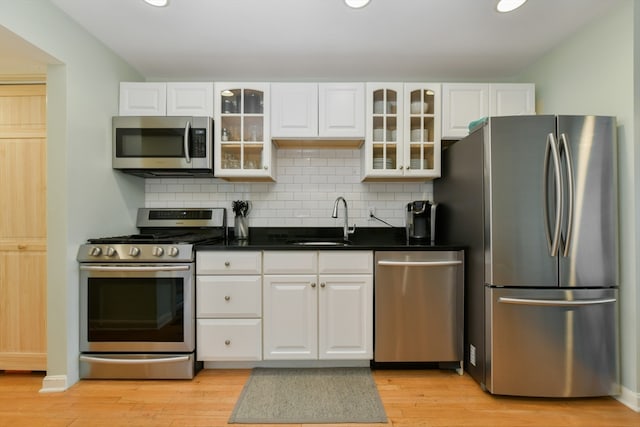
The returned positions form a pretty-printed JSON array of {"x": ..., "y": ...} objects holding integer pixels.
[{"x": 410, "y": 398}]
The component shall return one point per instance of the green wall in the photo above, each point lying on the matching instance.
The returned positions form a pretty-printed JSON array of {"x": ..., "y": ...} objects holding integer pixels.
[
  {"x": 84, "y": 196},
  {"x": 593, "y": 73}
]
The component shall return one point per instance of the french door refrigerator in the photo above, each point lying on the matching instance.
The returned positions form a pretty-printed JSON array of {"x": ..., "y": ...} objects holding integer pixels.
[{"x": 534, "y": 199}]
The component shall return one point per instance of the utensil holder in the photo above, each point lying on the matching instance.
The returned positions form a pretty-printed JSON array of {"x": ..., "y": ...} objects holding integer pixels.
[{"x": 240, "y": 227}]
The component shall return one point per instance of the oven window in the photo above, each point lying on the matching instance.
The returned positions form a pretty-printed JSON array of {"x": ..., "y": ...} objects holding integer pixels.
[
  {"x": 150, "y": 142},
  {"x": 136, "y": 309}
]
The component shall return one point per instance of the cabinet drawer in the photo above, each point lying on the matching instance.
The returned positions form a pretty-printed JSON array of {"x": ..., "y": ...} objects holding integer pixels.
[
  {"x": 345, "y": 262},
  {"x": 220, "y": 262},
  {"x": 229, "y": 339},
  {"x": 228, "y": 296},
  {"x": 290, "y": 262}
]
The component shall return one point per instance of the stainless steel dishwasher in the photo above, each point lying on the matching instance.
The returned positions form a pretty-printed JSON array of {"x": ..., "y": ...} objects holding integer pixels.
[{"x": 419, "y": 306}]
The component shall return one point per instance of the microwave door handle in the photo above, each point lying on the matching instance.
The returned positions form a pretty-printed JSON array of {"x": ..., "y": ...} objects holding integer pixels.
[{"x": 187, "y": 127}]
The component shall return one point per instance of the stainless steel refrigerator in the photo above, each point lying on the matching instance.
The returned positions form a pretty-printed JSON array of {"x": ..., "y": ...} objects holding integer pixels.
[{"x": 534, "y": 199}]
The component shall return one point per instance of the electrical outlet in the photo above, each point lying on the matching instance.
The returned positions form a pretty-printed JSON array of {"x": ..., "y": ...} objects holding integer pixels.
[{"x": 372, "y": 212}]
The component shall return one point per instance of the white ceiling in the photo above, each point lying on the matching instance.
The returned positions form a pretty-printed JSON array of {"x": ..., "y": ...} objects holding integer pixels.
[{"x": 320, "y": 40}]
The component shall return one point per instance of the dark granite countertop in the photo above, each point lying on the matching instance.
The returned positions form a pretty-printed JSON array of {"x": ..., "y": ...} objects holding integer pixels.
[{"x": 364, "y": 238}]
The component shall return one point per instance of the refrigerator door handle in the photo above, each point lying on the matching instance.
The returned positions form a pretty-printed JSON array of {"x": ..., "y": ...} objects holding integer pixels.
[
  {"x": 555, "y": 303},
  {"x": 552, "y": 149},
  {"x": 564, "y": 147}
]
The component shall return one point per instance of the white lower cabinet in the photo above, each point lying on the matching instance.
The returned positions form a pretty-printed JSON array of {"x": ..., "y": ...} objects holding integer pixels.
[
  {"x": 229, "y": 339},
  {"x": 228, "y": 306},
  {"x": 318, "y": 305}
]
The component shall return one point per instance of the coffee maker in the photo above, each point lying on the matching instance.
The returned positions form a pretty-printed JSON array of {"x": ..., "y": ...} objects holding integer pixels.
[{"x": 421, "y": 222}]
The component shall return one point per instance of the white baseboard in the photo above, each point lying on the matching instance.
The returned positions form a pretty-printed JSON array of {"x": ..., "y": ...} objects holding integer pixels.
[
  {"x": 54, "y": 384},
  {"x": 629, "y": 398}
]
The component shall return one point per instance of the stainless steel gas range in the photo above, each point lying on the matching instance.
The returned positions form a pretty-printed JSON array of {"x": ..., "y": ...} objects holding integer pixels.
[{"x": 137, "y": 295}]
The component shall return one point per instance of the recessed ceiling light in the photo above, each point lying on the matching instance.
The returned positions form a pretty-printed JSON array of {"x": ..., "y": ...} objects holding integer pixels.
[
  {"x": 357, "y": 4},
  {"x": 157, "y": 3},
  {"x": 509, "y": 5}
]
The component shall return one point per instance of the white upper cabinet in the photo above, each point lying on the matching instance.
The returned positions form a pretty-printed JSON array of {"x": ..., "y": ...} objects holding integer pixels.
[
  {"x": 341, "y": 110},
  {"x": 166, "y": 99},
  {"x": 143, "y": 99},
  {"x": 317, "y": 111},
  {"x": 242, "y": 148},
  {"x": 512, "y": 99},
  {"x": 462, "y": 103},
  {"x": 403, "y": 131},
  {"x": 294, "y": 110},
  {"x": 190, "y": 99}
]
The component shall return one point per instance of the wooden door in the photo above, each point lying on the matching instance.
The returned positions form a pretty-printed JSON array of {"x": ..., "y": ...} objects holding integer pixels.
[{"x": 23, "y": 300}]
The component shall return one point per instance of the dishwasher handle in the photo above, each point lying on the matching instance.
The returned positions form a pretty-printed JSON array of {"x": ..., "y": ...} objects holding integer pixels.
[{"x": 419, "y": 263}]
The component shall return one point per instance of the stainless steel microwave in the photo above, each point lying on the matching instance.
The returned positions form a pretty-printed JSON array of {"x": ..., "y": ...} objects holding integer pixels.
[{"x": 153, "y": 146}]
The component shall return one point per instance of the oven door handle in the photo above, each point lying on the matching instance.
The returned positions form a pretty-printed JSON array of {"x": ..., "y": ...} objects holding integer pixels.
[
  {"x": 135, "y": 268},
  {"x": 124, "y": 361}
]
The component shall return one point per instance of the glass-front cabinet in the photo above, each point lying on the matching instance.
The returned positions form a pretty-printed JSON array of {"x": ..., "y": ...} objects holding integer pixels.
[
  {"x": 242, "y": 138},
  {"x": 403, "y": 131}
]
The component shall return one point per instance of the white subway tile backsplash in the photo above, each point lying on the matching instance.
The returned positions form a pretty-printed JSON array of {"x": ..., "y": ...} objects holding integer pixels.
[{"x": 308, "y": 182}]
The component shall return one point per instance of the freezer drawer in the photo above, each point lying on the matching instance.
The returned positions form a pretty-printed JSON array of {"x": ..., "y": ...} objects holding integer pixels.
[
  {"x": 552, "y": 342},
  {"x": 419, "y": 306}
]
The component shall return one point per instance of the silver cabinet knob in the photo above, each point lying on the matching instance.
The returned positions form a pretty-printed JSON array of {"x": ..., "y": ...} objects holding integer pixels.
[
  {"x": 227, "y": 342},
  {"x": 134, "y": 251},
  {"x": 313, "y": 285},
  {"x": 227, "y": 297}
]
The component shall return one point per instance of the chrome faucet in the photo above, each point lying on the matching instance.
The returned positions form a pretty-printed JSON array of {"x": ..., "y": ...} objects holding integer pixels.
[{"x": 347, "y": 230}]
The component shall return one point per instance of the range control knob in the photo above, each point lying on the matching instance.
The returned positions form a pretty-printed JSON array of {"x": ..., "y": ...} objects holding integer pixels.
[
  {"x": 134, "y": 251},
  {"x": 173, "y": 251},
  {"x": 158, "y": 251},
  {"x": 111, "y": 251},
  {"x": 95, "y": 251}
]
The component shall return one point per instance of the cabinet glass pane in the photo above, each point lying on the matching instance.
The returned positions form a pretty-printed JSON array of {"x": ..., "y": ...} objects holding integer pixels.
[
  {"x": 392, "y": 129},
  {"x": 384, "y": 156},
  {"x": 230, "y": 128},
  {"x": 427, "y": 129},
  {"x": 378, "y": 129},
  {"x": 392, "y": 102},
  {"x": 253, "y": 101},
  {"x": 428, "y": 97},
  {"x": 421, "y": 157},
  {"x": 253, "y": 128},
  {"x": 417, "y": 130},
  {"x": 231, "y": 156},
  {"x": 253, "y": 156},
  {"x": 230, "y": 101},
  {"x": 378, "y": 102}
]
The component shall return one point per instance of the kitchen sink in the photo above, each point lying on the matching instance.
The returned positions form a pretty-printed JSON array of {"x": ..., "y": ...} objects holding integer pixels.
[{"x": 322, "y": 243}]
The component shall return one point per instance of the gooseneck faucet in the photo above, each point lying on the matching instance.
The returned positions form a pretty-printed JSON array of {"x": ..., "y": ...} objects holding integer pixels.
[{"x": 347, "y": 230}]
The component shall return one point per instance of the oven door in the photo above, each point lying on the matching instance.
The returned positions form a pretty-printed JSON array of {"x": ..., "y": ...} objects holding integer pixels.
[
  {"x": 141, "y": 308},
  {"x": 162, "y": 143}
]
